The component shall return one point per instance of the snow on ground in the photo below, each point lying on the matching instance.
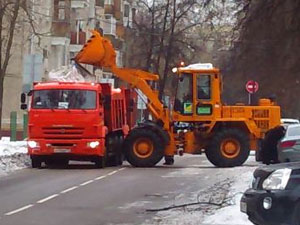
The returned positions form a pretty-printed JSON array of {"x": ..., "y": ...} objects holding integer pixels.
[
  {"x": 231, "y": 215},
  {"x": 229, "y": 185},
  {"x": 13, "y": 156}
]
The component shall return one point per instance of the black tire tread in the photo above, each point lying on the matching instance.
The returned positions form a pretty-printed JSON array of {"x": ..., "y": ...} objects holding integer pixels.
[
  {"x": 154, "y": 158},
  {"x": 213, "y": 152}
]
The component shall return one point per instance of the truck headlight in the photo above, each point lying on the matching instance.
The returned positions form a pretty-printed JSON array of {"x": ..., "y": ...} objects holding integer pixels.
[
  {"x": 93, "y": 144},
  {"x": 277, "y": 180},
  {"x": 33, "y": 144}
]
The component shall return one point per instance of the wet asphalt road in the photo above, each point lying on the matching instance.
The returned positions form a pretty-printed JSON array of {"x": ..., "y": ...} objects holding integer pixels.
[{"x": 83, "y": 195}]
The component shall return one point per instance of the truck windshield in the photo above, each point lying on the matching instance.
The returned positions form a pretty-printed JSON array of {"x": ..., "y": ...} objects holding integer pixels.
[{"x": 64, "y": 99}]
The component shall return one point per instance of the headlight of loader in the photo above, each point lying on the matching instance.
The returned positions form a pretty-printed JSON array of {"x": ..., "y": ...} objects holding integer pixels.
[
  {"x": 33, "y": 144},
  {"x": 277, "y": 180},
  {"x": 93, "y": 144}
]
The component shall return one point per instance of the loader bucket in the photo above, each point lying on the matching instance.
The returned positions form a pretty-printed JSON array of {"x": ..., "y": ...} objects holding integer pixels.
[{"x": 97, "y": 51}]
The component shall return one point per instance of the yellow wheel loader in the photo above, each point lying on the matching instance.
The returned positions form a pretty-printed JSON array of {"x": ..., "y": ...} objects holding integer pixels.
[{"x": 225, "y": 133}]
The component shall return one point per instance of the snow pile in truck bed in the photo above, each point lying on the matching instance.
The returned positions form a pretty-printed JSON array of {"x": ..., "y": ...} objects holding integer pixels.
[
  {"x": 70, "y": 73},
  {"x": 13, "y": 156}
]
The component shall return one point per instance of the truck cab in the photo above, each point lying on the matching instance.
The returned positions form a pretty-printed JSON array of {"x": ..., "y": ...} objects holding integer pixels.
[{"x": 76, "y": 121}]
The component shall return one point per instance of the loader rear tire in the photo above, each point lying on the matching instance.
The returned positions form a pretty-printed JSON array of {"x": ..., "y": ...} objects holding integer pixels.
[
  {"x": 143, "y": 148},
  {"x": 229, "y": 147}
]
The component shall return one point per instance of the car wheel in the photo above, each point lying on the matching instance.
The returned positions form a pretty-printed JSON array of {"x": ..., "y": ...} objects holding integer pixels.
[{"x": 296, "y": 215}]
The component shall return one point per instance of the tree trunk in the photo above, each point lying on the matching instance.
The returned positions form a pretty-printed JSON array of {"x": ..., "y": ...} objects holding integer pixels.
[
  {"x": 1, "y": 96},
  {"x": 150, "y": 53},
  {"x": 170, "y": 45},
  {"x": 161, "y": 47},
  {"x": 7, "y": 49}
]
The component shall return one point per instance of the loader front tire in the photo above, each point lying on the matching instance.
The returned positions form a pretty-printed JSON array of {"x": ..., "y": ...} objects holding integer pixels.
[
  {"x": 143, "y": 148},
  {"x": 229, "y": 147}
]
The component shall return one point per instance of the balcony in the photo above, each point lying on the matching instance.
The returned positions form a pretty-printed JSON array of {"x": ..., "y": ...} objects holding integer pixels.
[
  {"x": 109, "y": 25},
  {"x": 77, "y": 40},
  {"x": 79, "y": 4},
  {"x": 60, "y": 28},
  {"x": 119, "y": 59}
]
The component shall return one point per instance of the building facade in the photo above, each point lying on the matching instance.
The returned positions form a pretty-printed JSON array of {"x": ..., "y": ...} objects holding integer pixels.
[{"x": 64, "y": 26}]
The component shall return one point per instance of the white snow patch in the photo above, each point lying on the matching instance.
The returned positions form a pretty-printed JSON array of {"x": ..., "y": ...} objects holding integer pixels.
[
  {"x": 230, "y": 183},
  {"x": 13, "y": 156},
  {"x": 232, "y": 215},
  {"x": 12, "y": 147}
]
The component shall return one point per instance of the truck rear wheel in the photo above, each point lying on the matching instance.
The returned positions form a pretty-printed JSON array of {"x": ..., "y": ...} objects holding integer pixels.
[
  {"x": 229, "y": 147},
  {"x": 143, "y": 148},
  {"x": 114, "y": 150}
]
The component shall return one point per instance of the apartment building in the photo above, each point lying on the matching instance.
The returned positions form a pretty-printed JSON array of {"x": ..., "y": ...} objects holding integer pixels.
[{"x": 65, "y": 26}]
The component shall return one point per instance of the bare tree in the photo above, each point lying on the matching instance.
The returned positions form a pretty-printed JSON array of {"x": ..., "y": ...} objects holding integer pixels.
[
  {"x": 162, "y": 33},
  {"x": 9, "y": 12},
  {"x": 13, "y": 15}
]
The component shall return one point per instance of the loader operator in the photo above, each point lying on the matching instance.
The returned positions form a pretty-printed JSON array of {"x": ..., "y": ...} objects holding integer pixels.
[{"x": 269, "y": 145}]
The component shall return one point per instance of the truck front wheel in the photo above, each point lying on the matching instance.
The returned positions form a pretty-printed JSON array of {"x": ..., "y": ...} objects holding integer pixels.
[
  {"x": 228, "y": 148},
  {"x": 100, "y": 162},
  {"x": 36, "y": 162},
  {"x": 143, "y": 148}
]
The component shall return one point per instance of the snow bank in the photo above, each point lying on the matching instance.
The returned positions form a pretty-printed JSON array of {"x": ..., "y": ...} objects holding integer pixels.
[
  {"x": 225, "y": 185},
  {"x": 13, "y": 156},
  {"x": 231, "y": 215},
  {"x": 10, "y": 148}
]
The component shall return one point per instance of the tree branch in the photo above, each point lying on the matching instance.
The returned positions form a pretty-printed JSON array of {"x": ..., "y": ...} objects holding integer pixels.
[{"x": 10, "y": 37}]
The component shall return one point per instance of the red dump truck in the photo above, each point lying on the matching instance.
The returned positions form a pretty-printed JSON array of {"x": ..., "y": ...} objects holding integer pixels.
[{"x": 78, "y": 121}]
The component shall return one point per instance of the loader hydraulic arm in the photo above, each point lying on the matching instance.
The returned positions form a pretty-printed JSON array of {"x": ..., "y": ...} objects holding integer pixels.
[{"x": 99, "y": 52}]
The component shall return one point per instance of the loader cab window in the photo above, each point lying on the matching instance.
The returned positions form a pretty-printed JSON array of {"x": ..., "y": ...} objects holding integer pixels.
[
  {"x": 184, "y": 94},
  {"x": 203, "y": 87}
]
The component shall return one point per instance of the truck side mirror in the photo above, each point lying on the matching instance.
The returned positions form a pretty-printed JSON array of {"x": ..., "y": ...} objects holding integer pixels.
[
  {"x": 23, "y": 106},
  {"x": 23, "y": 98}
]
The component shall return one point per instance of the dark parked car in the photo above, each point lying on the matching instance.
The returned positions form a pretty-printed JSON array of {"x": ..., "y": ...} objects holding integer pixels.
[{"x": 274, "y": 198}]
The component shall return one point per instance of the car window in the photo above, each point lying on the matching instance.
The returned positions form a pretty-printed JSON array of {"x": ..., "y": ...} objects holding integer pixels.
[{"x": 293, "y": 131}]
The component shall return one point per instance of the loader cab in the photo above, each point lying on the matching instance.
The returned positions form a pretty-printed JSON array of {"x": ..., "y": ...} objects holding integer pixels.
[{"x": 198, "y": 93}]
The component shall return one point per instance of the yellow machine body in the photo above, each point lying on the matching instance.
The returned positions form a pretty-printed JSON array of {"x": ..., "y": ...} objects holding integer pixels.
[{"x": 208, "y": 115}]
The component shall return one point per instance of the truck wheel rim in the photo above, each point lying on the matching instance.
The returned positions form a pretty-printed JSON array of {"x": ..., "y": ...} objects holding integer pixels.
[
  {"x": 143, "y": 147},
  {"x": 230, "y": 148}
]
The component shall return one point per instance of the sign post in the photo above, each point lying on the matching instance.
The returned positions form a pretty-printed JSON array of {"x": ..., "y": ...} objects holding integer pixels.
[{"x": 252, "y": 87}]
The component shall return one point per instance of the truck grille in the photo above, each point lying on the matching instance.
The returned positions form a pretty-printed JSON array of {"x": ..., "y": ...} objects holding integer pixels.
[{"x": 63, "y": 132}]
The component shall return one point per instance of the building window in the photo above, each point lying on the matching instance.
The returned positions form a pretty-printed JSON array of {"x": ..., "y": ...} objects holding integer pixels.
[
  {"x": 109, "y": 2},
  {"x": 100, "y": 3},
  {"x": 126, "y": 11},
  {"x": 61, "y": 10}
]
